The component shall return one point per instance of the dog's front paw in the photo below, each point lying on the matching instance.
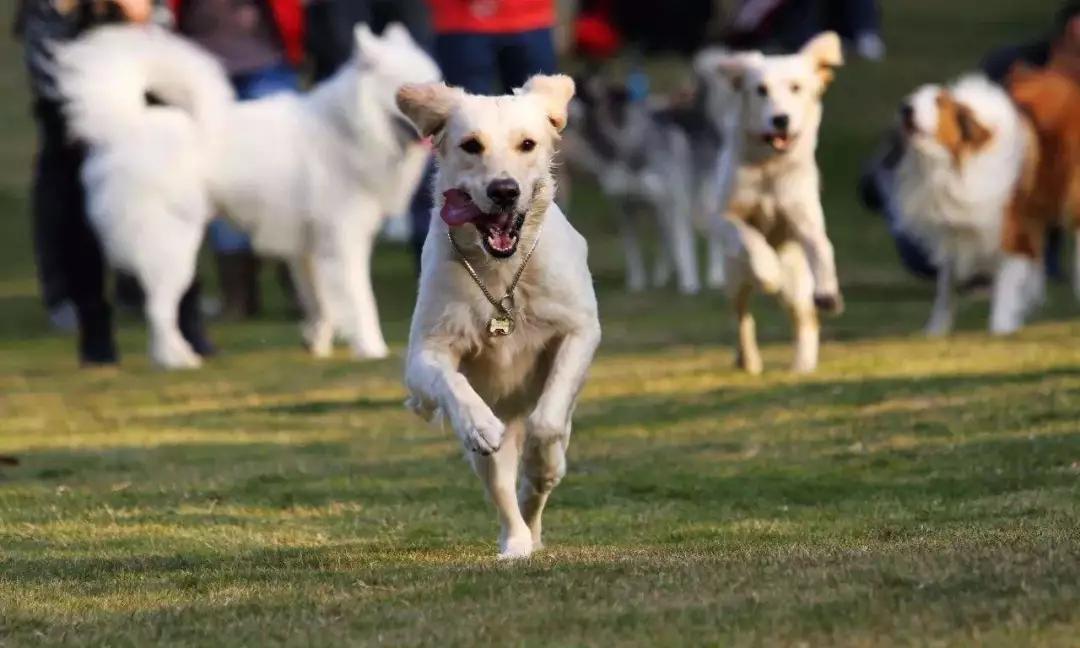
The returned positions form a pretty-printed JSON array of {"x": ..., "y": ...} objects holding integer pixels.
[
  {"x": 831, "y": 304},
  {"x": 516, "y": 547},
  {"x": 480, "y": 430}
]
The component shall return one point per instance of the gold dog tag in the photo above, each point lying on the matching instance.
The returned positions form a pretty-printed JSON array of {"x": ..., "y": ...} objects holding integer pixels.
[{"x": 500, "y": 326}]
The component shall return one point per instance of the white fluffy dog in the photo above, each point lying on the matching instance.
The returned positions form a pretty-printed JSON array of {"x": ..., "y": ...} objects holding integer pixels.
[
  {"x": 308, "y": 177},
  {"x": 966, "y": 149},
  {"x": 506, "y": 321},
  {"x": 769, "y": 181}
]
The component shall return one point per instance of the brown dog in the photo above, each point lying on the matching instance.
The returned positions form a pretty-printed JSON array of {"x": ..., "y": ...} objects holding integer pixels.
[{"x": 1049, "y": 192}]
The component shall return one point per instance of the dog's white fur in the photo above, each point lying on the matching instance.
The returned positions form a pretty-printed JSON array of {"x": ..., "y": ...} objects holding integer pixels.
[
  {"x": 773, "y": 221},
  {"x": 957, "y": 209},
  {"x": 509, "y": 399},
  {"x": 308, "y": 177}
]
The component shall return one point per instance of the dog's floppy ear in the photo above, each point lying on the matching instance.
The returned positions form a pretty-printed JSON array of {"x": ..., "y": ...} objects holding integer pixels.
[
  {"x": 971, "y": 129},
  {"x": 427, "y": 105},
  {"x": 826, "y": 52},
  {"x": 555, "y": 92}
]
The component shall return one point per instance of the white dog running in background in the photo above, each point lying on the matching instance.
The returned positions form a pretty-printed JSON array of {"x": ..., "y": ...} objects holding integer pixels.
[
  {"x": 506, "y": 321},
  {"x": 770, "y": 187},
  {"x": 966, "y": 148},
  {"x": 309, "y": 177}
]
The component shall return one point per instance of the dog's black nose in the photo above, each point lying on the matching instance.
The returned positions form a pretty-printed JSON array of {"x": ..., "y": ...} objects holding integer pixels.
[
  {"x": 781, "y": 122},
  {"x": 907, "y": 115},
  {"x": 504, "y": 192}
]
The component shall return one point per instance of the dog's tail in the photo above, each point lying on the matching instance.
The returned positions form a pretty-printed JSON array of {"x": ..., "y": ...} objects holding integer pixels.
[{"x": 107, "y": 76}]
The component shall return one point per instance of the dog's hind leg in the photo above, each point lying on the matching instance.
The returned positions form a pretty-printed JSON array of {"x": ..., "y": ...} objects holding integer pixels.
[
  {"x": 499, "y": 472},
  {"x": 797, "y": 295},
  {"x": 168, "y": 348},
  {"x": 716, "y": 276},
  {"x": 943, "y": 312},
  {"x": 359, "y": 228},
  {"x": 544, "y": 466},
  {"x": 165, "y": 268},
  {"x": 318, "y": 326},
  {"x": 629, "y": 227},
  {"x": 680, "y": 223},
  {"x": 747, "y": 353}
]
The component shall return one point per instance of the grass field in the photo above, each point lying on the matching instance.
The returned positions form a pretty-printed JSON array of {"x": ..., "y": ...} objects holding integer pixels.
[{"x": 911, "y": 492}]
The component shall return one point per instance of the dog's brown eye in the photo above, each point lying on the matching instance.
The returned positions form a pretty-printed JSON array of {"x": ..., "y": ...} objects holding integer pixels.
[
  {"x": 796, "y": 88},
  {"x": 472, "y": 146},
  {"x": 527, "y": 145},
  {"x": 762, "y": 91}
]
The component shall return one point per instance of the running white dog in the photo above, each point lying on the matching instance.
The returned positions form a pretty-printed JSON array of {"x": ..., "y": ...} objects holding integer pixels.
[
  {"x": 506, "y": 321},
  {"x": 769, "y": 182},
  {"x": 966, "y": 148},
  {"x": 308, "y": 177}
]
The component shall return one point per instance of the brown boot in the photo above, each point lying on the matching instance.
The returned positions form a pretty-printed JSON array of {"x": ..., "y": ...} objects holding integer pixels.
[{"x": 238, "y": 279}]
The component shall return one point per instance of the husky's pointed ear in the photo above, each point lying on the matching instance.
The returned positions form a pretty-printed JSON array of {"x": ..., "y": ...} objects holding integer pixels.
[
  {"x": 555, "y": 91},
  {"x": 826, "y": 53},
  {"x": 428, "y": 105},
  {"x": 396, "y": 32},
  {"x": 733, "y": 66}
]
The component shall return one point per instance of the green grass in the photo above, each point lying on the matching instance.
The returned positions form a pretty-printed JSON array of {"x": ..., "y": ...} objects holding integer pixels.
[{"x": 911, "y": 492}]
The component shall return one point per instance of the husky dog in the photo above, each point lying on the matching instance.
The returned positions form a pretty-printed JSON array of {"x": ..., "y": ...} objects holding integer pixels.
[
  {"x": 656, "y": 159},
  {"x": 308, "y": 177},
  {"x": 770, "y": 189},
  {"x": 506, "y": 321}
]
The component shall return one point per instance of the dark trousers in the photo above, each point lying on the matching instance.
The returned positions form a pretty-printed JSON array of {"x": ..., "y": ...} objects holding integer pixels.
[
  {"x": 493, "y": 64},
  {"x": 70, "y": 261}
]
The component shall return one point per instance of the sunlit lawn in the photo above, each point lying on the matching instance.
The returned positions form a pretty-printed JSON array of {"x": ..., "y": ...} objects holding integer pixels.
[{"x": 911, "y": 492}]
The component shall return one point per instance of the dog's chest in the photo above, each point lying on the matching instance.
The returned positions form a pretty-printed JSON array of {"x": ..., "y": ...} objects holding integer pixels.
[{"x": 510, "y": 370}]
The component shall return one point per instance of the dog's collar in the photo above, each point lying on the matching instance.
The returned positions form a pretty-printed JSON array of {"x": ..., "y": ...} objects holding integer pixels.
[{"x": 503, "y": 322}]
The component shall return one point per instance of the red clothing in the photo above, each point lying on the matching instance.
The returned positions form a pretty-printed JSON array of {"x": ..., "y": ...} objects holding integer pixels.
[
  {"x": 288, "y": 17},
  {"x": 491, "y": 16}
]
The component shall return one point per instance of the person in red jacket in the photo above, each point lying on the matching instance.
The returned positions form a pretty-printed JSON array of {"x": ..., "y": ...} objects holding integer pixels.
[
  {"x": 493, "y": 46},
  {"x": 260, "y": 43}
]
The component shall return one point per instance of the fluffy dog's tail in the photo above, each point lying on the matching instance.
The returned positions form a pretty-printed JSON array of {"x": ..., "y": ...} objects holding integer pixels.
[{"x": 107, "y": 76}]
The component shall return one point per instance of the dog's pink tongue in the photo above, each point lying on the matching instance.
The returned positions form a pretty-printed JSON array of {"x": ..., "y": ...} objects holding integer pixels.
[{"x": 458, "y": 209}]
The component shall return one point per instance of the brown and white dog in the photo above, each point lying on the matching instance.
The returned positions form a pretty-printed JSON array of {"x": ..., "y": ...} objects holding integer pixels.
[
  {"x": 1050, "y": 192},
  {"x": 966, "y": 151}
]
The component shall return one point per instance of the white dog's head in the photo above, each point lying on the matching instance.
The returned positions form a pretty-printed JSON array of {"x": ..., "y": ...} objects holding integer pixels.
[
  {"x": 392, "y": 60},
  {"x": 782, "y": 94},
  {"x": 495, "y": 153}
]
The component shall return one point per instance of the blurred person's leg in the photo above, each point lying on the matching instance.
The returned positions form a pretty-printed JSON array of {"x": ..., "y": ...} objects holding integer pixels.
[
  {"x": 48, "y": 210},
  {"x": 75, "y": 265},
  {"x": 81, "y": 260},
  {"x": 238, "y": 267},
  {"x": 524, "y": 54},
  {"x": 860, "y": 22},
  {"x": 469, "y": 61},
  {"x": 420, "y": 211}
]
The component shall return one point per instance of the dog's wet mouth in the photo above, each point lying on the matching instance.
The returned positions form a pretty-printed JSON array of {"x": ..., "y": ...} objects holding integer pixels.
[
  {"x": 499, "y": 231},
  {"x": 779, "y": 141}
]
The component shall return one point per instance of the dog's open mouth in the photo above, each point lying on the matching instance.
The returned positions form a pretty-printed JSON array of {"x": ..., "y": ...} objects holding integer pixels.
[
  {"x": 779, "y": 141},
  {"x": 499, "y": 231}
]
